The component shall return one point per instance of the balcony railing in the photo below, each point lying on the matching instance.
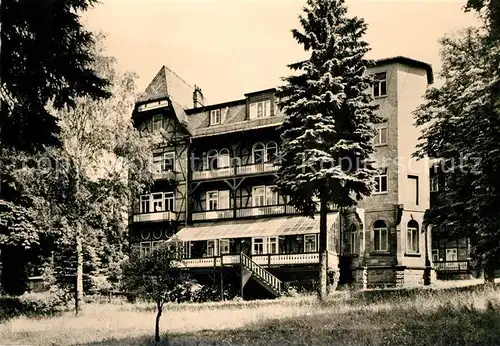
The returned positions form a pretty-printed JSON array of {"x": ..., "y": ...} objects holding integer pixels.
[
  {"x": 262, "y": 260},
  {"x": 452, "y": 266},
  {"x": 164, "y": 175},
  {"x": 266, "y": 210},
  {"x": 157, "y": 216},
  {"x": 244, "y": 212},
  {"x": 257, "y": 168},
  {"x": 213, "y": 215}
]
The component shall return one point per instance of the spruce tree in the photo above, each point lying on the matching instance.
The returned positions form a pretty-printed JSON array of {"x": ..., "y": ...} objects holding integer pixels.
[{"x": 329, "y": 118}]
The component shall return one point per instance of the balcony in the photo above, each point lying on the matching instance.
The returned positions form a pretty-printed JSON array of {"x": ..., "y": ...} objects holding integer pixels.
[
  {"x": 164, "y": 175},
  {"x": 263, "y": 260},
  {"x": 452, "y": 266},
  {"x": 269, "y": 260},
  {"x": 244, "y": 212},
  {"x": 157, "y": 216},
  {"x": 257, "y": 168}
]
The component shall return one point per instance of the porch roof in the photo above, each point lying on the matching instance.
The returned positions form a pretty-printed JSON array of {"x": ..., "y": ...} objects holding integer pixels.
[{"x": 287, "y": 225}]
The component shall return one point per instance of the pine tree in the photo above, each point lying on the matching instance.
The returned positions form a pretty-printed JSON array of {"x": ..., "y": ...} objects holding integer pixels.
[{"x": 329, "y": 118}]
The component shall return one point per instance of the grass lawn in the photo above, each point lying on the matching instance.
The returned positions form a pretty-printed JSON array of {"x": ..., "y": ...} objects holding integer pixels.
[{"x": 459, "y": 316}]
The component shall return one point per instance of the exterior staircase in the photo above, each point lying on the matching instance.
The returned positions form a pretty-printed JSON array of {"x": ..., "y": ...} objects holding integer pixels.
[{"x": 250, "y": 269}]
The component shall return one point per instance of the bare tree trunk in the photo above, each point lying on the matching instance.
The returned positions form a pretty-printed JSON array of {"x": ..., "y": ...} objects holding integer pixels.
[
  {"x": 79, "y": 270},
  {"x": 157, "y": 324},
  {"x": 322, "y": 294}
]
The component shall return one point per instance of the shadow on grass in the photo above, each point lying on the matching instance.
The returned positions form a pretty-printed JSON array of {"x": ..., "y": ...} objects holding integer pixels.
[{"x": 446, "y": 325}]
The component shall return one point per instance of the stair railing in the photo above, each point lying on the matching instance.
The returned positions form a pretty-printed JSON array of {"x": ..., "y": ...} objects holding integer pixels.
[{"x": 262, "y": 273}]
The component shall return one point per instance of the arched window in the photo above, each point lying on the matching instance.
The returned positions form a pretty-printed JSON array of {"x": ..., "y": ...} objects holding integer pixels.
[
  {"x": 271, "y": 151},
  {"x": 352, "y": 240},
  {"x": 412, "y": 237},
  {"x": 212, "y": 159},
  {"x": 258, "y": 153},
  {"x": 224, "y": 158},
  {"x": 380, "y": 236}
]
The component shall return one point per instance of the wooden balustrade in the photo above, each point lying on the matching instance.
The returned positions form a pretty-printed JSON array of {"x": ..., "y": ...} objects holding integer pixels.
[
  {"x": 259, "y": 271},
  {"x": 257, "y": 168},
  {"x": 452, "y": 266},
  {"x": 157, "y": 216},
  {"x": 262, "y": 260}
]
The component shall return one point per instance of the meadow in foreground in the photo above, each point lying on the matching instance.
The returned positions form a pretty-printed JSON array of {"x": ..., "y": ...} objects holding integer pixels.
[{"x": 466, "y": 316}]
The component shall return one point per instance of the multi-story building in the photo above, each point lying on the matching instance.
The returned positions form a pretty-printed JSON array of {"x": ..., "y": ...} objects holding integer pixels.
[{"x": 214, "y": 188}]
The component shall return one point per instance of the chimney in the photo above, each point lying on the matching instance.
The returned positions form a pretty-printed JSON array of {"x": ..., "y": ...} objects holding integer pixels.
[{"x": 198, "y": 99}]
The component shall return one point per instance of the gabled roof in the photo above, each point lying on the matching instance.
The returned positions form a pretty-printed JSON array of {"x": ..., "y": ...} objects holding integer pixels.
[{"x": 167, "y": 84}]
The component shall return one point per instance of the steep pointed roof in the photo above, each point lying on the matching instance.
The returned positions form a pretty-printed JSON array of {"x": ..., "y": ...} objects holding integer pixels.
[{"x": 167, "y": 84}]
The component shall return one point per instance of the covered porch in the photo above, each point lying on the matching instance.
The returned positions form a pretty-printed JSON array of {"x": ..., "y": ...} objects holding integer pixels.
[{"x": 274, "y": 242}]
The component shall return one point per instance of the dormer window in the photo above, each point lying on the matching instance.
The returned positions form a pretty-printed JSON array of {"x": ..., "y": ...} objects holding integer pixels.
[
  {"x": 260, "y": 109},
  {"x": 215, "y": 117},
  {"x": 380, "y": 84}
]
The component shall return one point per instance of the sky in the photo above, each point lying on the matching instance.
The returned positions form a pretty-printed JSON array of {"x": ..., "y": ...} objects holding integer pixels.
[{"x": 231, "y": 47}]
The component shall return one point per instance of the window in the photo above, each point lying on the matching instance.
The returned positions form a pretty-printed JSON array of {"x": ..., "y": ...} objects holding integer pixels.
[
  {"x": 223, "y": 159},
  {"x": 413, "y": 189},
  {"x": 164, "y": 162},
  {"x": 210, "y": 248},
  {"x": 379, "y": 85},
  {"x": 451, "y": 254},
  {"x": 157, "y": 123},
  {"x": 155, "y": 244},
  {"x": 434, "y": 184},
  {"x": 215, "y": 117},
  {"x": 169, "y": 201},
  {"x": 381, "y": 136},
  {"x": 258, "y": 246},
  {"x": 145, "y": 248},
  {"x": 145, "y": 235},
  {"x": 271, "y": 151},
  {"x": 144, "y": 208},
  {"x": 187, "y": 249},
  {"x": 260, "y": 109},
  {"x": 380, "y": 236},
  {"x": 310, "y": 243},
  {"x": 412, "y": 237},
  {"x": 435, "y": 255},
  {"x": 168, "y": 161},
  {"x": 272, "y": 245},
  {"x": 224, "y": 246},
  {"x": 157, "y": 202},
  {"x": 352, "y": 238},
  {"x": 271, "y": 196},
  {"x": 211, "y": 159},
  {"x": 258, "y": 196},
  {"x": 212, "y": 200},
  {"x": 381, "y": 181},
  {"x": 258, "y": 153}
]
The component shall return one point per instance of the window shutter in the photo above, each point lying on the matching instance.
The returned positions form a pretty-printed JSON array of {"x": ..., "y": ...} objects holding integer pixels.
[
  {"x": 224, "y": 199},
  {"x": 253, "y": 111},
  {"x": 267, "y": 108}
]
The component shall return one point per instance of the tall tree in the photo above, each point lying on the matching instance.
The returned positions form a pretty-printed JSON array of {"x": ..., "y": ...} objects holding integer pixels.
[
  {"x": 461, "y": 127},
  {"x": 102, "y": 165},
  {"x": 329, "y": 118},
  {"x": 46, "y": 56}
]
